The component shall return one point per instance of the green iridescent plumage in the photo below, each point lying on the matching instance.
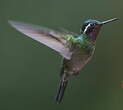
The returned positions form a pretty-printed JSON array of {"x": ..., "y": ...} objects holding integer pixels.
[{"x": 76, "y": 49}]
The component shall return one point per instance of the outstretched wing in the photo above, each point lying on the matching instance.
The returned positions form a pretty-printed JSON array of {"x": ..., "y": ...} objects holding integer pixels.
[
  {"x": 65, "y": 31},
  {"x": 51, "y": 38}
]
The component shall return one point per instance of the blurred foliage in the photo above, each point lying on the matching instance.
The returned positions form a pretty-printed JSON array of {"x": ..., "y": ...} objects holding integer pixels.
[{"x": 29, "y": 71}]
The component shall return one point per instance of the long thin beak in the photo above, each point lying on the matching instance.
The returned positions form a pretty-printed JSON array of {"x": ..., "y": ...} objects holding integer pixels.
[{"x": 108, "y": 21}]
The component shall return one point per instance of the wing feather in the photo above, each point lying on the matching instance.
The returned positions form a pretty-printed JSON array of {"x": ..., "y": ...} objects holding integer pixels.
[{"x": 50, "y": 38}]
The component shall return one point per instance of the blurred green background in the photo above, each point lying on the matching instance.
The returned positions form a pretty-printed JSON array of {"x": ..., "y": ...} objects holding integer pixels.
[{"x": 29, "y": 71}]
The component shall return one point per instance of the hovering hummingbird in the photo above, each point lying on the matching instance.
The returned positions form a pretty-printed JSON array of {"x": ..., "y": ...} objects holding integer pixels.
[{"x": 76, "y": 49}]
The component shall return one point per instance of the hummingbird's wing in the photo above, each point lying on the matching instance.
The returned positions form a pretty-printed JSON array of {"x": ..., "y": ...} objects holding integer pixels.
[
  {"x": 51, "y": 38},
  {"x": 65, "y": 31}
]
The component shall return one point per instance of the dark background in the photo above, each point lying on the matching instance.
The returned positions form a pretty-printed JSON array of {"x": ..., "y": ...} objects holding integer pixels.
[{"x": 29, "y": 71}]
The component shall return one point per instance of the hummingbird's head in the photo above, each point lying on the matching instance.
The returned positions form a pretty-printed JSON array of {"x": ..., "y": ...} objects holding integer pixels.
[{"x": 92, "y": 27}]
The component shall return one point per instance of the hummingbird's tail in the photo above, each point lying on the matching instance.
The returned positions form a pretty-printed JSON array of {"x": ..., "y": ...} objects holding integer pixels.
[{"x": 61, "y": 89}]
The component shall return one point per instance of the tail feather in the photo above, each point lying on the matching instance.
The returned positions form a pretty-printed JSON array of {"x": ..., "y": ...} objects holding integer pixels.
[{"x": 61, "y": 90}]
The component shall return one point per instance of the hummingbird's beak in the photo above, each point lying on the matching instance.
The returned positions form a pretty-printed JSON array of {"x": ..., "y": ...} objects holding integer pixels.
[{"x": 108, "y": 21}]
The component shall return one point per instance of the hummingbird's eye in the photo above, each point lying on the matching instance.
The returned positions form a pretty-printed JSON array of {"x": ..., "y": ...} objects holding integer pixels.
[{"x": 93, "y": 24}]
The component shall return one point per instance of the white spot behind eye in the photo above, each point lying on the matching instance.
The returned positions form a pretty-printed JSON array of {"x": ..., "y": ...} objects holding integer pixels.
[{"x": 86, "y": 28}]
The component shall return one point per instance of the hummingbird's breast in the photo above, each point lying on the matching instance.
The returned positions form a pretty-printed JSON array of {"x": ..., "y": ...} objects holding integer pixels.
[{"x": 78, "y": 60}]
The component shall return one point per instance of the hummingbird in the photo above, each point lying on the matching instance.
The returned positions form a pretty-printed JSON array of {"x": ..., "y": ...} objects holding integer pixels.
[{"x": 76, "y": 49}]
